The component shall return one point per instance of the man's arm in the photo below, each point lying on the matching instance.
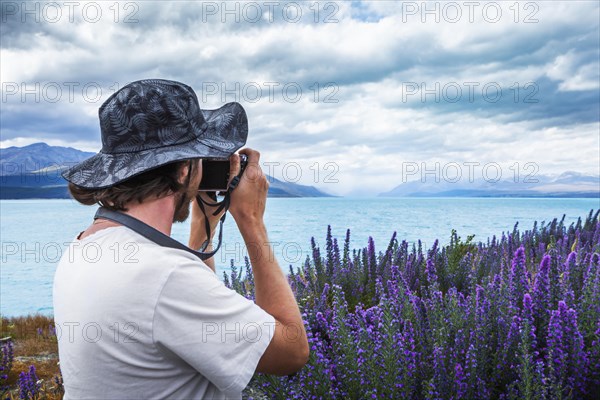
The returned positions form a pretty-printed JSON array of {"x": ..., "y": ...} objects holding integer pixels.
[{"x": 289, "y": 350}]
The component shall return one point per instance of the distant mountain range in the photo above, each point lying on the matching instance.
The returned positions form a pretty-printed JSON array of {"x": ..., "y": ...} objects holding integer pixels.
[
  {"x": 567, "y": 184},
  {"x": 38, "y": 156},
  {"x": 34, "y": 172}
]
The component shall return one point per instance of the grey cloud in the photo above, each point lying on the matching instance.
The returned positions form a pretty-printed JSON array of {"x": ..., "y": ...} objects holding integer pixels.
[{"x": 174, "y": 41}]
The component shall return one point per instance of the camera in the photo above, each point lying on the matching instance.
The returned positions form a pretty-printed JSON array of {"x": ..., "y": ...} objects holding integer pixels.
[{"x": 215, "y": 174}]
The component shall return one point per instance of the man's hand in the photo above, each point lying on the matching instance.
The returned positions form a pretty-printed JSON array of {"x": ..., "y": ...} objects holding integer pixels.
[{"x": 248, "y": 200}]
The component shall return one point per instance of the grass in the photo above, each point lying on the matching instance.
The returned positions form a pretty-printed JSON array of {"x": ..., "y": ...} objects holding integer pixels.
[{"x": 34, "y": 343}]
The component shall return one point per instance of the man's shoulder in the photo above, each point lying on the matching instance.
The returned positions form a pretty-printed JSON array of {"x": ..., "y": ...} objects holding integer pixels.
[
  {"x": 125, "y": 245},
  {"x": 161, "y": 253}
]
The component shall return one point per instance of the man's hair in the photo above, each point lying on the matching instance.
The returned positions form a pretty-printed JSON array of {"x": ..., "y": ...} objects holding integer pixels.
[{"x": 152, "y": 184}]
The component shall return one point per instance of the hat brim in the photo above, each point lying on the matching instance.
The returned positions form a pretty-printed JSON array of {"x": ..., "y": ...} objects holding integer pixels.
[{"x": 225, "y": 131}]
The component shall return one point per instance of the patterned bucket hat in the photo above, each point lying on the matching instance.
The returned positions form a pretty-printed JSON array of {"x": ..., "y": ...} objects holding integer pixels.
[{"x": 153, "y": 122}]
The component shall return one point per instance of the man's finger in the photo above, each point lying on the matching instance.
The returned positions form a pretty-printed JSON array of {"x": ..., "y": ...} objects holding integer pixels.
[
  {"x": 234, "y": 166},
  {"x": 253, "y": 155}
]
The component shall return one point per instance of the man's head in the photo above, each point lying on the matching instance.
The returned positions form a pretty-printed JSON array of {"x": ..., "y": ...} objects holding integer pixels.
[
  {"x": 148, "y": 128},
  {"x": 179, "y": 180}
]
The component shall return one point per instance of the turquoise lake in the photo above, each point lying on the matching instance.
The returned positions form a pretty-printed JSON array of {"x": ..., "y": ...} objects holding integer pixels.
[{"x": 34, "y": 233}]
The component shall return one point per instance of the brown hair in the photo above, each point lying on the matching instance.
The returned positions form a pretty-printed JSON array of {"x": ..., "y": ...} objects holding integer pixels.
[{"x": 155, "y": 183}]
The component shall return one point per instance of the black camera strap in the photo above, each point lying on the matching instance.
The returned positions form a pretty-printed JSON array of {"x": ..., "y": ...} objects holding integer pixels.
[
  {"x": 147, "y": 231},
  {"x": 221, "y": 205},
  {"x": 166, "y": 241}
]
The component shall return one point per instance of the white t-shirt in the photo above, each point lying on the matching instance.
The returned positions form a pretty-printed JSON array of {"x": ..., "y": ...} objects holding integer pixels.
[{"x": 135, "y": 320}]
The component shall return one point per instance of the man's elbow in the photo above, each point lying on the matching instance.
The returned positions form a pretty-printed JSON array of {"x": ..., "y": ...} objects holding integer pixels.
[
  {"x": 301, "y": 358},
  {"x": 297, "y": 361},
  {"x": 304, "y": 355}
]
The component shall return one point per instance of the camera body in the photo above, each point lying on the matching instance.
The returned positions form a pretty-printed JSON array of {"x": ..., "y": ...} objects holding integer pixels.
[{"x": 215, "y": 174}]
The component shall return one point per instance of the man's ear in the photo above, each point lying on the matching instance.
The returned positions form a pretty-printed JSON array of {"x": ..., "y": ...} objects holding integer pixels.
[{"x": 184, "y": 168}]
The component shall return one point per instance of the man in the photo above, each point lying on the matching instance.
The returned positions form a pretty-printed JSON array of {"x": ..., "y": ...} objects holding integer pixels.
[{"x": 139, "y": 320}]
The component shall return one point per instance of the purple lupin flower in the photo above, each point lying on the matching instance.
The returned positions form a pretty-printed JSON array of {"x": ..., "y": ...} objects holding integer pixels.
[
  {"x": 397, "y": 296},
  {"x": 6, "y": 362},
  {"x": 530, "y": 370},
  {"x": 393, "y": 282},
  {"x": 566, "y": 288},
  {"x": 322, "y": 324},
  {"x": 595, "y": 358},
  {"x": 323, "y": 303},
  {"x": 480, "y": 350},
  {"x": 460, "y": 382},
  {"x": 336, "y": 256},
  {"x": 371, "y": 252},
  {"x": 578, "y": 357},
  {"x": 29, "y": 385},
  {"x": 527, "y": 317},
  {"x": 554, "y": 278},
  {"x": 589, "y": 301},
  {"x": 566, "y": 360},
  {"x": 371, "y": 266},
  {"x": 318, "y": 263},
  {"x": 556, "y": 355},
  {"x": 438, "y": 385},
  {"x": 509, "y": 359},
  {"x": 475, "y": 384},
  {"x": 571, "y": 260},
  {"x": 343, "y": 348},
  {"x": 410, "y": 358},
  {"x": 541, "y": 300},
  {"x": 330, "y": 259},
  {"x": 380, "y": 293},
  {"x": 482, "y": 305},
  {"x": 518, "y": 282},
  {"x": 361, "y": 350},
  {"x": 346, "y": 252},
  {"x": 250, "y": 294},
  {"x": 430, "y": 272}
]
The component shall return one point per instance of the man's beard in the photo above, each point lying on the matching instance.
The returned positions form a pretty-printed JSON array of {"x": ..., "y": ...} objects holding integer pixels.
[{"x": 182, "y": 210}]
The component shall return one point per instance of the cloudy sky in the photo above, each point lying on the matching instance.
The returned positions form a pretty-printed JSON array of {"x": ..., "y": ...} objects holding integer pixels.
[{"x": 353, "y": 97}]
